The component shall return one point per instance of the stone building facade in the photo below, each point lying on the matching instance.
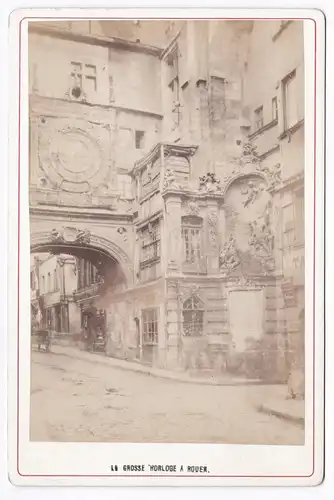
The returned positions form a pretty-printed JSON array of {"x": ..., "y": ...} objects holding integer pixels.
[
  {"x": 173, "y": 160},
  {"x": 53, "y": 282}
]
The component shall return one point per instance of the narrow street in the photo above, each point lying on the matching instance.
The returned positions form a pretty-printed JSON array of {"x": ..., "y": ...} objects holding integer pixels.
[{"x": 75, "y": 400}]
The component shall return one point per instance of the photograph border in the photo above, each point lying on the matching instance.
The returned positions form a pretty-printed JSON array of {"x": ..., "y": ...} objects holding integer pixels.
[{"x": 318, "y": 143}]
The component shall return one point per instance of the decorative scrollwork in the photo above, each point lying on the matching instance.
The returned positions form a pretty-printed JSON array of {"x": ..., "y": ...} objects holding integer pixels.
[
  {"x": 192, "y": 208},
  {"x": 71, "y": 235},
  {"x": 213, "y": 221}
]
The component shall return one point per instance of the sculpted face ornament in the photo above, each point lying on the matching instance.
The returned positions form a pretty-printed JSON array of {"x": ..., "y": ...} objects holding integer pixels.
[{"x": 123, "y": 232}]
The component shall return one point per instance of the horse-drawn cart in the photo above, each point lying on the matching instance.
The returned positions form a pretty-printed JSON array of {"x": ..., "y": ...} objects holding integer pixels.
[{"x": 42, "y": 339}]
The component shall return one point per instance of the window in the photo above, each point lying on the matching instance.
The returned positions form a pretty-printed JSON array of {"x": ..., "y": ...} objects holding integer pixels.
[
  {"x": 290, "y": 101},
  {"x": 193, "y": 317},
  {"x": 150, "y": 252},
  {"x": 274, "y": 108},
  {"x": 83, "y": 78},
  {"x": 43, "y": 284},
  {"x": 88, "y": 274},
  {"x": 90, "y": 77},
  {"x": 258, "y": 118},
  {"x": 288, "y": 225},
  {"x": 192, "y": 239},
  {"x": 55, "y": 280},
  {"x": 150, "y": 326},
  {"x": 139, "y": 139},
  {"x": 111, "y": 89},
  {"x": 49, "y": 284},
  {"x": 150, "y": 242},
  {"x": 174, "y": 84}
]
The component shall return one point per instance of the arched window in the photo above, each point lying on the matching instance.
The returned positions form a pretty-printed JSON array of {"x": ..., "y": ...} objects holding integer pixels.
[{"x": 193, "y": 317}]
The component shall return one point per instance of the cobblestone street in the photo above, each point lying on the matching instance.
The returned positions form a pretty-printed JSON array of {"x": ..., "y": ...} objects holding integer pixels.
[{"x": 76, "y": 400}]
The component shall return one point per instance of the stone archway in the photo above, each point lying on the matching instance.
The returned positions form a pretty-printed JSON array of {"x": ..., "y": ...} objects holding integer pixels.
[
  {"x": 86, "y": 298},
  {"x": 74, "y": 240}
]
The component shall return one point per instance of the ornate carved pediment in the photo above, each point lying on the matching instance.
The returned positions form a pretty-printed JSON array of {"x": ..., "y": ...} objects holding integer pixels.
[
  {"x": 249, "y": 163},
  {"x": 71, "y": 235},
  {"x": 189, "y": 291}
]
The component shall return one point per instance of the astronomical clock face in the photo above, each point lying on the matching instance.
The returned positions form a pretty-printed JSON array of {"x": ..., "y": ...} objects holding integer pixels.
[
  {"x": 71, "y": 157},
  {"x": 75, "y": 156}
]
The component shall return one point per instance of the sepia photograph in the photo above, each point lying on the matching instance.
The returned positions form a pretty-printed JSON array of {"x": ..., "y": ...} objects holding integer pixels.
[{"x": 166, "y": 199}]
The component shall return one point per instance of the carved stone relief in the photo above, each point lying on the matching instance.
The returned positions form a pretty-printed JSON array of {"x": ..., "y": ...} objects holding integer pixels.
[
  {"x": 273, "y": 176},
  {"x": 250, "y": 244},
  {"x": 229, "y": 258},
  {"x": 209, "y": 183},
  {"x": 189, "y": 290},
  {"x": 191, "y": 208},
  {"x": 71, "y": 235},
  {"x": 170, "y": 180},
  {"x": 213, "y": 228}
]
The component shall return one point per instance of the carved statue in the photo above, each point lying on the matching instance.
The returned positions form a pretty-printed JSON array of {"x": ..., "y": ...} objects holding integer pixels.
[
  {"x": 209, "y": 183},
  {"x": 273, "y": 175},
  {"x": 229, "y": 256},
  {"x": 252, "y": 192}
]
